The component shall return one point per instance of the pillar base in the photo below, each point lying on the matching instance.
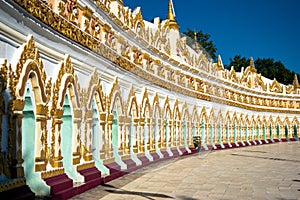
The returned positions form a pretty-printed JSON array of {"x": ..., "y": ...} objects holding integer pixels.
[
  {"x": 56, "y": 162},
  {"x": 16, "y": 172},
  {"x": 40, "y": 166}
]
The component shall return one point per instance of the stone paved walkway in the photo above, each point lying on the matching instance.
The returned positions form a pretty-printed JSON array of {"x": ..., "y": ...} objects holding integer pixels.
[{"x": 269, "y": 171}]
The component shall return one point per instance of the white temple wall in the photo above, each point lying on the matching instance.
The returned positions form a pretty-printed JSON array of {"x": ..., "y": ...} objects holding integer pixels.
[{"x": 151, "y": 105}]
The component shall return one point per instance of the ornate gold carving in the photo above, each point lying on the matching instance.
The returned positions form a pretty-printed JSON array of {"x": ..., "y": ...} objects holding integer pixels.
[
  {"x": 138, "y": 20},
  {"x": 85, "y": 166},
  {"x": 86, "y": 11},
  {"x": 290, "y": 89},
  {"x": 276, "y": 87},
  {"x": 66, "y": 69},
  {"x": 12, "y": 184},
  {"x": 104, "y": 6},
  {"x": 137, "y": 57},
  {"x": 258, "y": 82},
  {"x": 3, "y": 84},
  {"x": 39, "y": 167},
  {"x": 103, "y": 116},
  {"x": 58, "y": 113},
  {"x": 77, "y": 113},
  {"x": 195, "y": 87},
  {"x": 69, "y": 10},
  {"x": 51, "y": 173},
  {"x": 168, "y": 47},
  {"x": 29, "y": 58},
  {"x": 65, "y": 78},
  {"x": 41, "y": 110},
  {"x": 17, "y": 105},
  {"x": 115, "y": 89}
]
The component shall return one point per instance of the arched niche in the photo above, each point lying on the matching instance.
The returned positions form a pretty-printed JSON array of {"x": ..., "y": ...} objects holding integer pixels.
[
  {"x": 221, "y": 129},
  {"x": 272, "y": 128},
  {"x": 248, "y": 129},
  {"x": 116, "y": 112},
  {"x": 296, "y": 132},
  {"x": 27, "y": 68},
  {"x": 253, "y": 129},
  {"x": 93, "y": 100},
  {"x": 66, "y": 114},
  {"x": 195, "y": 123},
  {"x": 228, "y": 125},
  {"x": 242, "y": 134},
  {"x": 235, "y": 124},
  {"x": 212, "y": 127},
  {"x": 177, "y": 126},
  {"x": 187, "y": 137},
  {"x": 265, "y": 129},
  {"x": 258, "y": 128},
  {"x": 167, "y": 134},
  {"x": 146, "y": 119},
  {"x": 135, "y": 138},
  {"x": 157, "y": 123},
  {"x": 279, "y": 128},
  {"x": 287, "y": 128},
  {"x": 204, "y": 127}
]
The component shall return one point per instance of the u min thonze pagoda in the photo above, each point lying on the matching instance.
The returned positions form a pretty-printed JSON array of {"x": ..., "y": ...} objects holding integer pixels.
[{"x": 90, "y": 91}]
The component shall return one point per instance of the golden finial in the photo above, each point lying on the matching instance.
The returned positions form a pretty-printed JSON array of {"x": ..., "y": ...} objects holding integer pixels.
[
  {"x": 171, "y": 17},
  {"x": 295, "y": 82},
  {"x": 197, "y": 48},
  {"x": 219, "y": 63},
  {"x": 251, "y": 62},
  {"x": 252, "y": 67}
]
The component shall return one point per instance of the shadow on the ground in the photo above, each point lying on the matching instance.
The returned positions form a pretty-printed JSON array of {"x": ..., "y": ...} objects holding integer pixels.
[
  {"x": 185, "y": 198},
  {"x": 255, "y": 151},
  {"x": 269, "y": 158},
  {"x": 115, "y": 186},
  {"x": 146, "y": 195}
]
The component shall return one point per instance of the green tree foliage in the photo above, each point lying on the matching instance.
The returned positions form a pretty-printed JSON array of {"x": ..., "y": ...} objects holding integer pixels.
[
  {"x": 203, "y": 40},
  {"x": 238, "y": 62},
  {"x": 274, "y": 69},
  {"x": 267, "y": 67}
]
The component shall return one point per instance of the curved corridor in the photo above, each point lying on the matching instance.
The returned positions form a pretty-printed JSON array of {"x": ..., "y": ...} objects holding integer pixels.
[{"x": 257, "y": 172}]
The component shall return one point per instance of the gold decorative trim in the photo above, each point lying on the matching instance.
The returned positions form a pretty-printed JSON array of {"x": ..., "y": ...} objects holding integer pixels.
[
  {"x": 51, "y": 173},
  {"x": 12, "y": 184},
  {"x": 85, "y": 166},
  {"x": 124, "y": 63},
  {"x": 168, "y": 75},
  {"x": 41, "y": 110},
  {"x": 108, "y": 160}
]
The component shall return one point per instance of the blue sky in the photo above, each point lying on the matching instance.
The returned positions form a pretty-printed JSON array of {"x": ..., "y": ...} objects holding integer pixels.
[{"x": 257, "y": 28}]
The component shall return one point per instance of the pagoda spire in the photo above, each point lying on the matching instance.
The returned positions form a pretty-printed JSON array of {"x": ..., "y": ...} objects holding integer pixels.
[
  {"x": 252, "y": 66},
  {"x": 196, "y": 45},
  {"x": 171, "y": 17},
  {"x": 296, "y": 82},
  {"x": 251, "y": 62},
  {"x": 220, "y": 63}
]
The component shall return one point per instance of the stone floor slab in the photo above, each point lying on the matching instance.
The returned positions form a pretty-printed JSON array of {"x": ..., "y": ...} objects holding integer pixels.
[{"x": 269, "y": 171}]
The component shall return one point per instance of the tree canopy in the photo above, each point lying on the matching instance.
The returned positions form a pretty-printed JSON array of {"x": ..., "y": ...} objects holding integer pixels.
[
  {"x": 203, "y": 40},
  {"x": 267, "y": 67}
]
